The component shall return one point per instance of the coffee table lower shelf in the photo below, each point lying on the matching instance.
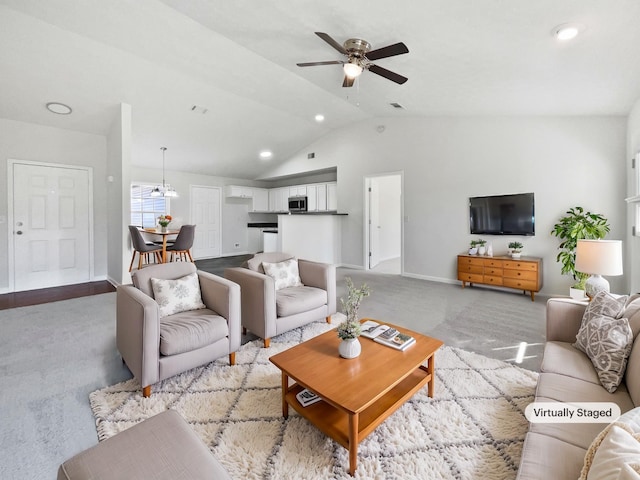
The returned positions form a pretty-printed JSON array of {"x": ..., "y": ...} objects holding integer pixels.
[{"x": 350, "y": 428}]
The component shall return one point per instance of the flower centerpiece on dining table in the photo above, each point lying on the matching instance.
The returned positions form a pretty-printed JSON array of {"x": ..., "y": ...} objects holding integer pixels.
[
  {"x": 164, "y": 221},
  {"x": 349, "y": 330}
]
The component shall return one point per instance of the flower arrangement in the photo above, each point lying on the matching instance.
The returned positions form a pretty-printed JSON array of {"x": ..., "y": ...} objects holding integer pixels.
[
  {"x": 350, "y": 328},
  {"x": 164, "y": 220}
]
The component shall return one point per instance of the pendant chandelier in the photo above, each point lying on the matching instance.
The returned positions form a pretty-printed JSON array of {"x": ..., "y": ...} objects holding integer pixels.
[{"x": 165, "y": 190}]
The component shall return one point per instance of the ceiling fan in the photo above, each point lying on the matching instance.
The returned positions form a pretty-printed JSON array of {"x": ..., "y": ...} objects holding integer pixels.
[{"x": 359, "y": 57}]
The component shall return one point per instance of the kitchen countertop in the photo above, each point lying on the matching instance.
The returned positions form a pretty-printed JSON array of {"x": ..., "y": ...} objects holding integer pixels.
[
  {"x": 263, "y": 225},
  {"x": 315, "y": 213}
]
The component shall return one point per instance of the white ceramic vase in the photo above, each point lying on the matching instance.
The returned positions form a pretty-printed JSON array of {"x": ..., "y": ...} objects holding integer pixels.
[
  {"x": 350, "y": 348},
  {"x": 482, "y": 250}
]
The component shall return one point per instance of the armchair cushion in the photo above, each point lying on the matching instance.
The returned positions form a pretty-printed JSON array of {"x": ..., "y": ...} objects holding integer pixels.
[
  {"x": 191, "y": 330},
  {"x": 179, "y": 295},
  {"x": 293, "y": 300},
  {"x": 285, "y": 274}
]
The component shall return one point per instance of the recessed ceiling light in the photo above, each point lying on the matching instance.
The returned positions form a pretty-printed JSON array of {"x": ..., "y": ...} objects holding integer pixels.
[
  {"x": 59, "y": 108},
  {"x": 567, "y": 31},
  {"x": 266, "y": 154},
  {"x": 319, "y": 118}
]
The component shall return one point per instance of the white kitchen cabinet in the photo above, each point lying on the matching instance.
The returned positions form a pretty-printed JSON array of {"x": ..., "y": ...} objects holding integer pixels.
[
  {"x": 298, "y": 191},
  {"x": 332, "y": 196},
  {"x": 238, "y": 191},
  {"x": 312, "y": 198},
  {"x": 284, "y": 199},
  {"x": 274, "y": 199},
  {"x": 260, "y": 200},
  {"x": 321, "y": 197}
]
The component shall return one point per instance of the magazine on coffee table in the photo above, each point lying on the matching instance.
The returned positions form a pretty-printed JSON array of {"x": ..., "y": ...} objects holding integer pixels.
[
  {"x": 371, "y": 329},
  {"x": 399, "y": 341},
  {"x": 306, "y": 397}
]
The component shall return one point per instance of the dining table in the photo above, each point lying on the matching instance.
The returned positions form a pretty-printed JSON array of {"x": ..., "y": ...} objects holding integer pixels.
[{"x": 164, "y": 234}]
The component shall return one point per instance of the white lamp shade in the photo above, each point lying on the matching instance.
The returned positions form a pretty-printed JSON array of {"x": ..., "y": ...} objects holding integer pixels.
[{"x": 599, "y": 257}]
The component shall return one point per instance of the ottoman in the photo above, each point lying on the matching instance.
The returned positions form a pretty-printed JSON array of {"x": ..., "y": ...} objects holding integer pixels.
[{"x": 161, "y": 447}]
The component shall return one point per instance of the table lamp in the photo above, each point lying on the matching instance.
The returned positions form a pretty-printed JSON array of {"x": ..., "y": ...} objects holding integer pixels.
[{"x": 597, "y": 258}]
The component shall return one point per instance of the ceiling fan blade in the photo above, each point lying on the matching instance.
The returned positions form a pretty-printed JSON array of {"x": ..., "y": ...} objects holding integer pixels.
[
  {"x": 383, "y": 72},
  {"x": 348, "y": 81},
  {"x": 331, "y": 42},
  {"x": 388, "y": 51},
  {"x": 313, "y": 64}
]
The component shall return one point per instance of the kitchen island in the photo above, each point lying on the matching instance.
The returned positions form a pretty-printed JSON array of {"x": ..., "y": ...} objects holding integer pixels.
[{"x": 313, "y": 236}]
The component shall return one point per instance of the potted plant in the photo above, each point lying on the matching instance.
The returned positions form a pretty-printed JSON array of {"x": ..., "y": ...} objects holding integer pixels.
[
  {"x": 577, "y": 224},
  {"x": 349, "y": 330},
  {"x": 481, "y": 246},
  {"x": 516, "y": 249},
  {"x": 473, "y": 247}
]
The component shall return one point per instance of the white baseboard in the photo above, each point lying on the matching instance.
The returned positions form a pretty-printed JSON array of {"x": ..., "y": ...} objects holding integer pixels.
[
  {"x": 235, "y": 254},
  {"x": 112, "y": 282},
  {"x": 348, "y": 265},
  {"x": 431, "y": 279}
]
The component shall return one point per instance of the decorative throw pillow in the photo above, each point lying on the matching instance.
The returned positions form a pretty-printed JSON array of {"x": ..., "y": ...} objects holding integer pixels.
[
  {"x": 285, "y": 274},
  {"x": 609, "y": 341},
  {"x": 615, "y": 453},
  {"x": 180, "y": 295},
  {"x": 606, "y": 339},
  {"x": 603, "y": 304}
]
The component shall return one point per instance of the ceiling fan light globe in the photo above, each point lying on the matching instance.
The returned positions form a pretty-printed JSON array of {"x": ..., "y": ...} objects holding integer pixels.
[{"x": 352, "y": 70}]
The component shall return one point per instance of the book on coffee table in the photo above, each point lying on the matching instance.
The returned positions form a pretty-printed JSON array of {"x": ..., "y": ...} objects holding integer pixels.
[
  {"x": 399, "y": 341},
  {"x": 371, "y": 329},
  {"x": 306, "y": 397}
]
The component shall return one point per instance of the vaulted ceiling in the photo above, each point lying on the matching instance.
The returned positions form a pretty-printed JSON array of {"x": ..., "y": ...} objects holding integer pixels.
[{"x": 237, "y": 60}]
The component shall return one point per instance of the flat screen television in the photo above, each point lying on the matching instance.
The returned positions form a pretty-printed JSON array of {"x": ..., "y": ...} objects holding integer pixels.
[{"x": 503, "y": 214}]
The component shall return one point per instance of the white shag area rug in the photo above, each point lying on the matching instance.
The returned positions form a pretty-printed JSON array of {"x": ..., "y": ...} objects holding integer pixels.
[{"x": 473, "y": 428}]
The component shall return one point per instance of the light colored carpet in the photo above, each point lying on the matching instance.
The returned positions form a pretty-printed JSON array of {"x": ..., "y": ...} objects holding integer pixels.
[{"x": 472, "y": 428}]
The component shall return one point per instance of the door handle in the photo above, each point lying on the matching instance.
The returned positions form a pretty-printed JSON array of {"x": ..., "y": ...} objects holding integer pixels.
[{"x": 19, "y": 232}]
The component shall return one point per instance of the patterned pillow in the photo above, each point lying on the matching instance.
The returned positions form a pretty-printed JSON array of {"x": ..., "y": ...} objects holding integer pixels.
[
  {"x": 180, "y": 295},
  {"x": 285, "y": 274},
  {"x": 606, "y": 339}
]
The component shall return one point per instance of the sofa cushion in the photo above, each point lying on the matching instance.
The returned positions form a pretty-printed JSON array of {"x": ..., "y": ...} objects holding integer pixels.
[
  {"x": 632, "y": 377},
  {"x": 285, "y": 274},
  {"x": 564, "y": 359},
  {"x": 602, "y": 304},
  {"x": 546, "y": 457},
  {"x": 615, "y": 450},
  {"x": 179, "y": 295},
  {"x": 290, "y": 301},
  {"x": 632, "y": 313},
  {"x": 191, "y": 330}
]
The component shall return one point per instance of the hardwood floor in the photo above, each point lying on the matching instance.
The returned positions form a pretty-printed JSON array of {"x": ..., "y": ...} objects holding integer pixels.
[{"x": 46, "y": 295}]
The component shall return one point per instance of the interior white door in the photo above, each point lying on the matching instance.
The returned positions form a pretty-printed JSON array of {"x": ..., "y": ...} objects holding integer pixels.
[
  {"x": 206, "y": 216},
  {"x": 51, "y": 226},
  {"x": 374, "y": 223}
]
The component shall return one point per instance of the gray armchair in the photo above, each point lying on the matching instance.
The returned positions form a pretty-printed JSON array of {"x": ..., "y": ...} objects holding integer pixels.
[
  {"x": 189, "y": 339},
  {"x": 267, "y": 312}
]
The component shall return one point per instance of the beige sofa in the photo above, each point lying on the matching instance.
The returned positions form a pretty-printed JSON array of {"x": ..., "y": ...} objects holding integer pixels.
[
  {"x": 267, "y": 312},
  {"x": 557, "y": 450}
]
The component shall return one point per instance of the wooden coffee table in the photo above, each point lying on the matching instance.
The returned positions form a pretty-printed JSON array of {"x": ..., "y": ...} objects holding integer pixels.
[{"x": 359, "y": 393}]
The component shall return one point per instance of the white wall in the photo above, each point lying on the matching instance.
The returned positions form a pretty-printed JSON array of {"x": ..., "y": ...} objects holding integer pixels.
[
  {"x": 565, "y": 161},
  {"x": 632, "y": 250},
  {"x": 26, "y": 141}
]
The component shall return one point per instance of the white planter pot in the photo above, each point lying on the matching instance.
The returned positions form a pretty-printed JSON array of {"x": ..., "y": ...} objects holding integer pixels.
[
  {"x": 577, "y": 294},
  {"x": 516, "y": 254},
  {"x": 473, "y": 251},
  {"x": 350, "y": 348},
  {"x": 482, "y": 250}
]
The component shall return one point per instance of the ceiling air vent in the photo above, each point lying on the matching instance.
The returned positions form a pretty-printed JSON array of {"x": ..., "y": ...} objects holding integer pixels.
[{"x": 396, "y": 105}]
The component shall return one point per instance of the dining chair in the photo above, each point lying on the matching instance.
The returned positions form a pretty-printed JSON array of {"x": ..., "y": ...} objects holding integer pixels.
[
  {"x": 181, "y": 247},
  {"x": 143, "y": 248}
]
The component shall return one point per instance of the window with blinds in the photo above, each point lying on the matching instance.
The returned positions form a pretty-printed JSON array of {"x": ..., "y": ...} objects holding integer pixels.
[{"x": 146, "y": 209}]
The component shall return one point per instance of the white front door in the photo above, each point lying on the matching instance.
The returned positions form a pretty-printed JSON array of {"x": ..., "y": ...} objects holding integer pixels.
[
  {"x": 205, "y": 215},
  {"x": 51, "y": 208}
]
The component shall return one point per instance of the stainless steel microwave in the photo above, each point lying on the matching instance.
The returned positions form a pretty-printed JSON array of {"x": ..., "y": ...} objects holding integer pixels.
[{"x": 297, "y": 204}]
